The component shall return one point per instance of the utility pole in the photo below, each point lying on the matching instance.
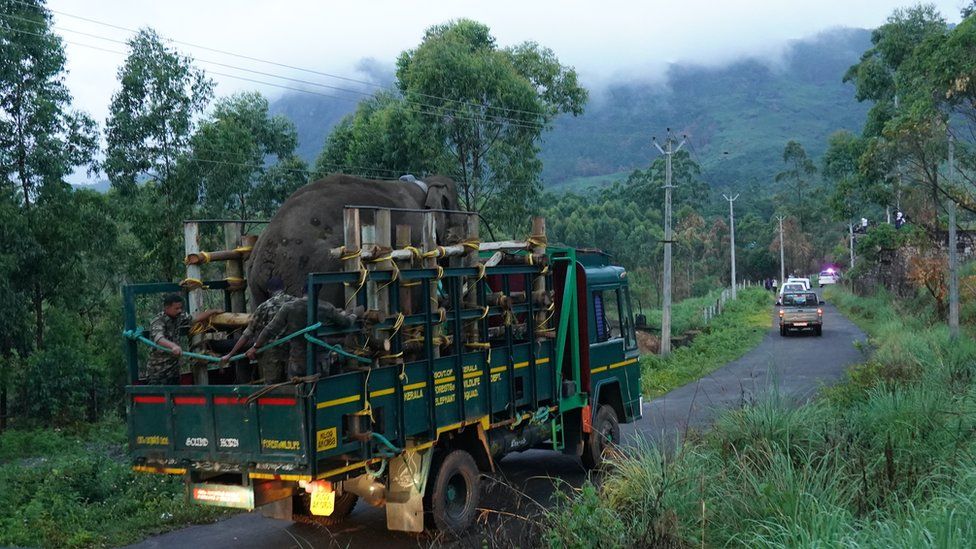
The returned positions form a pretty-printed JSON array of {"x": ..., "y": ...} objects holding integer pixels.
[
  {"x": 666, "y": 301},
  {"x": 953, "y": 251},
  {"x": 850, "y": 227},
  {"x": 732, "y": 238},
  {"x": 782, "y": 261}
]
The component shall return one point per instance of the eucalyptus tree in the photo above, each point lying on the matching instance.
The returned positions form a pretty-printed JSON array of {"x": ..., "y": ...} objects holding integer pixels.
[{"x": 151, "y": 120}]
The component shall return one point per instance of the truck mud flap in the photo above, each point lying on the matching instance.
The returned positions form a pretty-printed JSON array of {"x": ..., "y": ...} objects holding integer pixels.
[{"x": 405, "y": 498}]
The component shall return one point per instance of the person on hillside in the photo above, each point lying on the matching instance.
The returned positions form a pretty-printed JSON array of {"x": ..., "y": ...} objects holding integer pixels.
[
  {"x": 291, "y": 317},
  {"x": 163, "y": 367},
  {"x": 775, "y": 285},
  {"x": 271, "y": 363}
]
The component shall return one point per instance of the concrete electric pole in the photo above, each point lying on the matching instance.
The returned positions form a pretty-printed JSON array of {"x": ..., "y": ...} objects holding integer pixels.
[
  {"x": 851, "y": 228},
  {"x": 953, "y": 251},
  {"x": 732, "y": 238},
  {"x": 666, "y": 301},
  {"x": 782, "y": 261}
]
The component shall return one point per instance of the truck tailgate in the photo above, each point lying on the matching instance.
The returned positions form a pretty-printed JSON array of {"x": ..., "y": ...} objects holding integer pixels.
[{"x": 217, "y": 424}]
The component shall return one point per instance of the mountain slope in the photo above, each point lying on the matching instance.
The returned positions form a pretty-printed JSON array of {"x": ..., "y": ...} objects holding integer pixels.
[{"x": 748, "y": 109}]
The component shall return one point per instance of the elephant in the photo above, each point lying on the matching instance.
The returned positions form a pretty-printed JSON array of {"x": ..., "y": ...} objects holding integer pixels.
[{"x": 309, "y": 224}]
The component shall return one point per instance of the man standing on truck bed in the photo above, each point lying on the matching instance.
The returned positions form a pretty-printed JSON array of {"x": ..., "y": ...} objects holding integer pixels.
[
  {"x": 271, "y": 363},
  {"x": 163, "y": 367},
  {"x": 290, "y": 318}
]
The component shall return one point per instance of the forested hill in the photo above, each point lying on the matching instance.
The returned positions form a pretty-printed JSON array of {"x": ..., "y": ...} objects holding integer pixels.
[{"x": 749, "y": 108}]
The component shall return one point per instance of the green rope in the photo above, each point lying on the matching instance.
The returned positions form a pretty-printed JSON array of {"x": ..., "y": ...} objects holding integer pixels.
[
  {"x": 136, "y": 335},
  {"x": 386, "y": 442},
  {"x": 337, "y": 349}
]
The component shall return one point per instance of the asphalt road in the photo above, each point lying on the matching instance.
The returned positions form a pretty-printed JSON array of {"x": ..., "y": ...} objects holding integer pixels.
[{"x": 794, "y": 367}]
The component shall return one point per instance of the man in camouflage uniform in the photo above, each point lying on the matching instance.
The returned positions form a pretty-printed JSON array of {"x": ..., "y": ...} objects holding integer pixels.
[
  {"x": 293, "y": 317},
  {"x": 271, "y": 363},
  {"x": 163, "y": 367}
]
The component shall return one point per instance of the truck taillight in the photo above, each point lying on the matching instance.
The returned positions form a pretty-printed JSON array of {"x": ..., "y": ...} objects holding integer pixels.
[
  {"x": 781, "y": 312},
  {"x": 820, "y": 312}
]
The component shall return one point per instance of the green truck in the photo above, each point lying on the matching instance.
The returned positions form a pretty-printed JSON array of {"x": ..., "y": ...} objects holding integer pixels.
[{"x": 480, "y": 364}]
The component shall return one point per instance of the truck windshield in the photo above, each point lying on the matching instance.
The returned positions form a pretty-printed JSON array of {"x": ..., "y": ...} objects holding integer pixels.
[{"x": 801, "y": 300}]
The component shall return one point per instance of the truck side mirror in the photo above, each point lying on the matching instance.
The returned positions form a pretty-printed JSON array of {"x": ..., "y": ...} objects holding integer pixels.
[{"x": 822, "y": 302}]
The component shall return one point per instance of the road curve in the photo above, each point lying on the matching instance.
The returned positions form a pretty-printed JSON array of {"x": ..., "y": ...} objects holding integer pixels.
[{"x": 795, "y": 367}]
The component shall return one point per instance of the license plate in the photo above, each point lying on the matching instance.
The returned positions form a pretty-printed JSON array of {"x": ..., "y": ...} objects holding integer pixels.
[
  {"x": 323, "y": 503},
  {"x": 799, "y": 323}
]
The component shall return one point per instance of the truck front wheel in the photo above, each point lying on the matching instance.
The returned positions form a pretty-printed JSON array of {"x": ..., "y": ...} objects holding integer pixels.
[
  {"x": 452, "y": 497},
  {"x": 605, "y": 431}
]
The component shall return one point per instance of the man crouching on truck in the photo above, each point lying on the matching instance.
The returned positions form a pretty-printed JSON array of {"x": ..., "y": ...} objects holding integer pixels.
[
  {"x": 271, "y": 362},
  {"x": 163, "y": 367},
  {"x": 292, "y": 317}
]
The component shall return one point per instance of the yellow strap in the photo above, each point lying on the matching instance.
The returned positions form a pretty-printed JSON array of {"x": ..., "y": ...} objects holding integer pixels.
[
  {"x": 394, "y": 355},
  {"x": 481, "y": 345},
  {"x": 363, "y": 274},
  {"x": 436, "y": 252},
  {"x": 440, "y": 272},
  {"x": 347, "y": 255},
  {"x": 243, "y": 249},
  {"x": 537, "y": 240},
  {"x": 367, "y": 409},
  {"x": 395, "y": 277},
  {"x": 397, "y": 324},
  {"x": 382, "y": 259},
  {"x": 415, "y": 251},
  {"x": 481, "y": 271},
  {"x": 192, "y": 284},
  {"x": 472, "y": 245}
]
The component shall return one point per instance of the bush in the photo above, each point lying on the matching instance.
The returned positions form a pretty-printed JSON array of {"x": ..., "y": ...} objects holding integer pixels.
[{"x": 75, "y": 488}]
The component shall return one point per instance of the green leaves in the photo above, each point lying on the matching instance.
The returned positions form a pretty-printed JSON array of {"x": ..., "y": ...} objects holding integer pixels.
[
  {"x": 230, "y": 157},
  {"x": 468, "y": 109}
]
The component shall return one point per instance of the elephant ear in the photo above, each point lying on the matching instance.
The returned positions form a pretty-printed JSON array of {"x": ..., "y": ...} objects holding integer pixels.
[{"x": 441, "y": 195}]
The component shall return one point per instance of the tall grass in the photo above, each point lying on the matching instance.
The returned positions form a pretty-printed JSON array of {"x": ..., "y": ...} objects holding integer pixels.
[{"x": 887, "y": 459}]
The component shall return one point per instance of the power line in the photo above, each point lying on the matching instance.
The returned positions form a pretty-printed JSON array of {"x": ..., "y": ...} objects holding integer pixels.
[
  {"x": 415, "y": 106},
  {"x": 265, "y": 61}
]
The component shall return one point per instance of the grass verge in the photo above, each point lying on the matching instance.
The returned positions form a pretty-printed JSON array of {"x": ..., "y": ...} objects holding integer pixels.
[
  {"x": 888, "y": 459},
  {"x": 75, "y": 488},
  {"x": 738, "y": 329}
]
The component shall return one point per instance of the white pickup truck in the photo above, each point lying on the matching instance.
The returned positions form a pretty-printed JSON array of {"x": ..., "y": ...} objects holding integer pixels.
[{"x": 800, "y": 311}]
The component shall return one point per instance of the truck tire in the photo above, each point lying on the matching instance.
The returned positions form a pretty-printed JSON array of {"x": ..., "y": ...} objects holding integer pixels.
[
  {"x": 453, "y": 493},
  {"x": 782, "y": 331},
  {"x": 344, "y": 505},
  {"x": 605, "y": 431},
  {"x": 818, "y": 331}
]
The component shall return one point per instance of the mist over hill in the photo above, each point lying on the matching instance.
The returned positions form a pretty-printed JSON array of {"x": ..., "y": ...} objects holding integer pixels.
[{"x": 748, "y": 109}]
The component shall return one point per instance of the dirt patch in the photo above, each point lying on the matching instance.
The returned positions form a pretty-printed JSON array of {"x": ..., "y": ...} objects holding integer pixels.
[{"x": 648, "y": 343}]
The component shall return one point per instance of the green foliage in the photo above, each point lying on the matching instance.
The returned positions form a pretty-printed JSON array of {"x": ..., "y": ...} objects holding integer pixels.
[
  {"x": 149, "y": 128},
  {"x": 740, "y": 327},
  {"x": 230, "y": 154},
  {"x": 468, "y": 109},
  {"x": 74, "y": 488}
]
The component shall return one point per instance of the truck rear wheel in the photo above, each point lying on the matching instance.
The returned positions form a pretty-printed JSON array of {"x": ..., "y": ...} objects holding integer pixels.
[
  {"x": 818, "y": 331},
  {"x": 344, "y": 505},
  {"x": 605, "y": 431},
  {"x": 782, "y": 331},
  {"x": 452, "y": 497}
]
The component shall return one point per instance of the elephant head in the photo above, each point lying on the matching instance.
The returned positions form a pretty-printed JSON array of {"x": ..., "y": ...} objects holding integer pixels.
[
  {"x": 308, "y": 225},
  {"x": 441, "y": 194}
]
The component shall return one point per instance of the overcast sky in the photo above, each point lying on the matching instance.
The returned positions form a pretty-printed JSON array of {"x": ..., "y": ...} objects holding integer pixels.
[{"x": 605, "y": 39}]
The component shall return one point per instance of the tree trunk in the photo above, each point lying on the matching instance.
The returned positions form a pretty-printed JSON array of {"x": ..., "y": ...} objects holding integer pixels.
[
  {"x": 3, "y": 394},
  {"x": 38, "y": 316}
]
